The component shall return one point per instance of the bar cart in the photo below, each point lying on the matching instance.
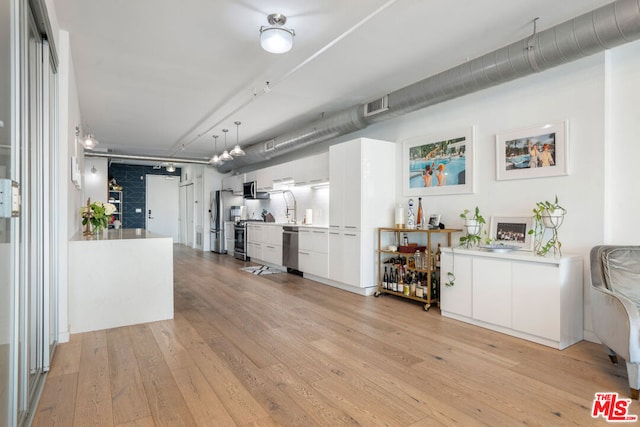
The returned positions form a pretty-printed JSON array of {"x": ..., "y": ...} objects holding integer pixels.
[{"x": 401, "y": 244}]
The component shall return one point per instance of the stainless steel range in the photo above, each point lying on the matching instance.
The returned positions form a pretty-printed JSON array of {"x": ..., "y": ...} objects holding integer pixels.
[{"x": 240, "y": 239}]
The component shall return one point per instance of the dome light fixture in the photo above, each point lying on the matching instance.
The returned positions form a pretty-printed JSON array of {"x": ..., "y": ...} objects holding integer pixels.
[
  {"x": 276, "y": 38},
  {"x": 171, "y": 167},
  {"x": 237, "y": 151},
  {"x": 225, "y": 157}
]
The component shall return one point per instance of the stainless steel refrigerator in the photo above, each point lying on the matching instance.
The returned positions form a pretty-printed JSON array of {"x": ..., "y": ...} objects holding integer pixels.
[{"x": 217, "y": 222}]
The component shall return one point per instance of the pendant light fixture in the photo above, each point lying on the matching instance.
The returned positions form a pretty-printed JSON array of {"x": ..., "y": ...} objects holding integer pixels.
[
  {"x": 276, "y": 38},
  {"x": 215, "y": 160},
  {"x": 225, "y": 157},
  {"x": 237, "y": 151}
]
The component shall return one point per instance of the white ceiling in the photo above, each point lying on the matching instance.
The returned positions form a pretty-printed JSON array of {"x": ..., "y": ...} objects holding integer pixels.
[{"x": 161, "y": 77}]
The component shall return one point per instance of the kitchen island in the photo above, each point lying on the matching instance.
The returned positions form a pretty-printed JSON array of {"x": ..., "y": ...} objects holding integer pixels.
[{"x": 120, "y": 277}]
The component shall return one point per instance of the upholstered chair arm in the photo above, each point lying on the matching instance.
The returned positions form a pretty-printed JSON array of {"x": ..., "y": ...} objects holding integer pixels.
[{"x": 616, "y": 321}]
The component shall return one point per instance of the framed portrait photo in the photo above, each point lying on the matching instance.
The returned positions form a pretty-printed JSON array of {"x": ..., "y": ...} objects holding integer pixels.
[
  {"x": 439, "y": 164},
  {"x": 535, "y": 152},
  {"x": 512, "y": 231}
]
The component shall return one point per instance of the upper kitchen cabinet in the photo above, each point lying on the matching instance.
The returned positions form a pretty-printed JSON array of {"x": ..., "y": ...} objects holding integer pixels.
[
  {"x": 233, "y": 183},
  {"x": 363, "y": 184},
  {"x": 312, "y": 170}
]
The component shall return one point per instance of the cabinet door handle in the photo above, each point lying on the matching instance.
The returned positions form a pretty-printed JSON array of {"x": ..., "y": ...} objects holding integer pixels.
[
  {"x": 350, "y": 226},
  {"x": 303, "y": 253},
  {"x": 351, "y": 235}
]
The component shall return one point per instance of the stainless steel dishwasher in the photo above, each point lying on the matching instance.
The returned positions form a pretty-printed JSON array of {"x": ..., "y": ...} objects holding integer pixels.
[{"x": 290, "y": 248}]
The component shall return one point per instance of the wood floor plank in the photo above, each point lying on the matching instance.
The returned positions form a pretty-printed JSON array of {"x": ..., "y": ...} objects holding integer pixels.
[
  {"x": 238, "y": 402},
  {"x": 67, "y": 357},
  {"x": 56, "y": 406},
  {"x": 165, "y": 400},
  {"x": 281, "y": 350},
  {"x": 94, "y": 407},
  {"x": 128, "y": 396}
]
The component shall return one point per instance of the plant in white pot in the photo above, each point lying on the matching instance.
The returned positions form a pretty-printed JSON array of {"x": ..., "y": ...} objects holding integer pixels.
[
  {"x": 547, "y": 216},
  {"x": 473, "y": 222}
]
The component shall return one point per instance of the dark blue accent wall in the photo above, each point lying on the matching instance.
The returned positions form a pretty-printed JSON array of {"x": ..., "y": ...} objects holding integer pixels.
[{"x": 132, "y": 178}]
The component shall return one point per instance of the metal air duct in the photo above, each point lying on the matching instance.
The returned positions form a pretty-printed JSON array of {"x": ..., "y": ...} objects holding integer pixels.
[{"x": 611, "y": 25}]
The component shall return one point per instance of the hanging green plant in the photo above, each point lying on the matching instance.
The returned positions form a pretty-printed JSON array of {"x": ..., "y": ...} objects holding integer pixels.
[{"x": 547, "y": 216}]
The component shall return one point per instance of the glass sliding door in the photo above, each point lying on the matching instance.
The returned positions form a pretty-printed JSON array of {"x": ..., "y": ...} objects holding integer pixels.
[
  {"x": 28, "y": 114},
  {"x": 7, "y": 230}
]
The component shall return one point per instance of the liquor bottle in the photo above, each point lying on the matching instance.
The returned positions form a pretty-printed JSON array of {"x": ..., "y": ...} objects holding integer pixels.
[
  {"x": 385, "y": 279},
  {"x": 420, "y": 219},
  {"x": 413, "y": 285},
  {"x": 417, "y": 259},
  {"x": 438, "y": 255},
  {"x": 394, "y": 280}
]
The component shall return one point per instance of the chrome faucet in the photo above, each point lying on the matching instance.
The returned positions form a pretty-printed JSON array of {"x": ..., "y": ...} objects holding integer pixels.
[{"x": 291, "y": 204}]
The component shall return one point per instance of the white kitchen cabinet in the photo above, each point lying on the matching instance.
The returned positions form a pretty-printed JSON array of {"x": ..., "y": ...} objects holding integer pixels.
[
  {"x": 535, "y": 298},
  {"x": 362, "y": 198},
  {"x": 233, "y": 183},
  {"x": 311, "y": 170},
  {"x": 313, "y": 245},
  {"x": 264, "y": 243}
]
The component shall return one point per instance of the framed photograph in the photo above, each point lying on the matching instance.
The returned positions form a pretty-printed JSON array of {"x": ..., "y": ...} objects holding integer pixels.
[
  {"x": 534, "y": 152},
  {"x": 434, "y": 220},
  {"x": 439, "y": 164},
  {"x": 512, "y": 231}
]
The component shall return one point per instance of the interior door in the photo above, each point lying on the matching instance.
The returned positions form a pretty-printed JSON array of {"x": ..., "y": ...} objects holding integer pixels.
[{"x": 162, "y": 205}]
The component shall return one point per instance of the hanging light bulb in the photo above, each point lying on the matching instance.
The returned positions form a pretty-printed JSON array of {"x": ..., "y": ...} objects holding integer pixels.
[
  {"x": 215, "y": 160},
  {"x": 237, "y": 151},
  {"x": 225, "y": 157}
]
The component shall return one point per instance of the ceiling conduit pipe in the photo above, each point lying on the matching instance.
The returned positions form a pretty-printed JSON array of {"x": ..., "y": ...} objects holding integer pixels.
[{"x": 609, "y": 26}]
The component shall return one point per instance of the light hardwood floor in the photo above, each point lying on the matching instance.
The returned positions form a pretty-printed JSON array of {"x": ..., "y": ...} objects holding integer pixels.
[{"x": 282, "y": 350}]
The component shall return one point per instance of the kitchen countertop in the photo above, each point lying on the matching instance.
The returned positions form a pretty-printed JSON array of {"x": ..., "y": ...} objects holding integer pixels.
[
  {"x": 121, "y": 234},
  {"x": 289, "y": 224}
]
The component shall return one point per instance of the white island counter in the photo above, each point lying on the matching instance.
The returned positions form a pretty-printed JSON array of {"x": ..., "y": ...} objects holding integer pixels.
[{"x": 122, "y": 277}]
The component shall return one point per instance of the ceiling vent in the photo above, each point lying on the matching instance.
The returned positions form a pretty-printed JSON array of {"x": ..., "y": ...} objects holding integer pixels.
[
  {"x": 377, "y": 106},
  {"x": 270, "y": 145}
]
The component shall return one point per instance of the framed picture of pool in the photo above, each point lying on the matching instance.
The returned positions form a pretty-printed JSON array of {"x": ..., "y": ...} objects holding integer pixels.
[
  {"x": 439, "y": 164},
  {"x": 534, "y": 152}
]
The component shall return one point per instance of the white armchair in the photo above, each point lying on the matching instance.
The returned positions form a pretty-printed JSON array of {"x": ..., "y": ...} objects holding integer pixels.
[{"x": 615, "y": 305}]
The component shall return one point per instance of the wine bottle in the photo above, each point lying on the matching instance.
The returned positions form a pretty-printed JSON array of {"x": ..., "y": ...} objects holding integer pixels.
[
  {"x": 385, "y": 279},
  {"x": 438, "y": 255}
]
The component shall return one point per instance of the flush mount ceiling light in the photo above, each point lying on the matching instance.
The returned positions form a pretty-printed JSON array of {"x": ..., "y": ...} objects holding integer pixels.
[
  {"x": 88, "y": 142},
  {"x": 225, "y": 157},
  {"x": 215, "y": 160},
  {"x": 276, "y": 38},
  {"x": 171, "y": 167},
  {"x": 237, "y": 151}
]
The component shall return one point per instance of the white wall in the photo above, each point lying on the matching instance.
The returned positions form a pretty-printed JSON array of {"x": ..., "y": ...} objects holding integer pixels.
[
  {"x": 69, "y": 221},
  {"x": 95, "y": 179},
  {"x": 623, "y": 146},
  {"x": 573, "y": 92}
]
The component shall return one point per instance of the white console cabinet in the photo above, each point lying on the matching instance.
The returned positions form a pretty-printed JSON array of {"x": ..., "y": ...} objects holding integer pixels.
[{"x": 535, "y": 298}]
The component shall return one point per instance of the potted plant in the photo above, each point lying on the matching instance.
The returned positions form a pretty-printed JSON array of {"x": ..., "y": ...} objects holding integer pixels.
[
  {"x": 473, "y": 222},
  {"x": 547, "y": 216}
]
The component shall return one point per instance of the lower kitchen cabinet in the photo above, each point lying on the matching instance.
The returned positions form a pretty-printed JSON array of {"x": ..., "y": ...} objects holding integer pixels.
[
  {"x": 313, "y": 246},
  {"x": 264, "y": 243},
  {"x": 539, "y": 299}
]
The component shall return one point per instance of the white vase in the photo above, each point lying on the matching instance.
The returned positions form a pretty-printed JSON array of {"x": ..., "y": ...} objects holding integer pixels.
[
  {"x": 472, "y": 226},
  {"x": 552, "y": 218}
]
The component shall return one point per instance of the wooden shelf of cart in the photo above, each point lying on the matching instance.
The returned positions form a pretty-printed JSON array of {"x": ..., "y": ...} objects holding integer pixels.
[{"x": 427, "y": 238}]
